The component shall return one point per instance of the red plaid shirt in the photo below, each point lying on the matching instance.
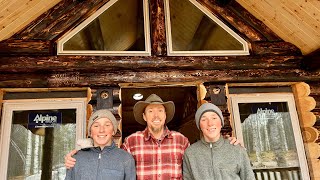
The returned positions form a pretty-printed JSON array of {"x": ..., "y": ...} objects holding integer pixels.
[{"x": 157, "y": 159}]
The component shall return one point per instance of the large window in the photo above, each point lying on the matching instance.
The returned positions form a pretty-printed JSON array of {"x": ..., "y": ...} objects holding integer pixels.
[
  {"x": 36, "y": 134},
  {"x": 119, "y": 28},
  {"x": 192, "y": 30},
  {"x": 268, "y": 125}
]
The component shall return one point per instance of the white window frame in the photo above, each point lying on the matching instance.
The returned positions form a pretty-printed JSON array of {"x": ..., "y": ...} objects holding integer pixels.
[
  {"x": 171, "y": 52},
  {"x": 69, "y": 35},
  {"x": 9, "y": 106},
  {"x": 272, "y": 97}
]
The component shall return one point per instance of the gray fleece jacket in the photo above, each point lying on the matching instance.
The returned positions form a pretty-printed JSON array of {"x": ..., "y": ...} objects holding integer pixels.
[
  {"x": 216, "y": 161},
  {"x": 111, "y": 163}
]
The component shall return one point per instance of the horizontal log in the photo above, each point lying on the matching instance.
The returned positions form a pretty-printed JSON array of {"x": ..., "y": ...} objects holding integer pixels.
[
  {"x": 109, "y": 78},
  {"x": 96, "y": 63},
  {"x": 13, "y": 47},
  {"x": 40, "y": 47},
  {"x": 312, "y": 61},
  {"x": 274, "y": 48}
]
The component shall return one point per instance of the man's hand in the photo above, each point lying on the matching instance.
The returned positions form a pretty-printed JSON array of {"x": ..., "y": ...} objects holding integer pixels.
[
  {"x": 69, "y": 161},
  {"x": 235, "y": 141}
]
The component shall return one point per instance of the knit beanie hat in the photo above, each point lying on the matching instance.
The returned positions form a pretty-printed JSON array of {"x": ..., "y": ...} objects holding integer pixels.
[
  {"x": 103, "y": 113},
  {"x": 208, "y": 107}
]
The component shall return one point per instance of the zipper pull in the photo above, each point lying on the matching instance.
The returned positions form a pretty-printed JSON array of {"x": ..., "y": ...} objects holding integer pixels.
[
  {"x": 99, "y": 155},
  {"x": 210, "y": 145}
]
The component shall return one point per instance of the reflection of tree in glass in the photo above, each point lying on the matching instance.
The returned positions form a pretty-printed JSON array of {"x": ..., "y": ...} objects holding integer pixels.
[
  {"x": 270, "y": 141},
  {"x": 26, "y": 150}
]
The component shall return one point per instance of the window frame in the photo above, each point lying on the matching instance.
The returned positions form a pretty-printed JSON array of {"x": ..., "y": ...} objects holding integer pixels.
[
  {"x": 9, "y": 106},
  {"x": 235, "y": 99},
  {"x": 171, "y": 52},
  {"x": 69, "y": 35}
]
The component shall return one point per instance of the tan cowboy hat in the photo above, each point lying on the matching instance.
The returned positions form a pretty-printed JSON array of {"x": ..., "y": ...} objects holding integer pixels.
[{"x": 139, "y": 107}]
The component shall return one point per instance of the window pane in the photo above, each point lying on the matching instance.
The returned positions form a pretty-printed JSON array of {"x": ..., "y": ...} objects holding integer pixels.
[
  {"x": 269, "y": 138},
  {"x": 31, "y": 146},
  {"x": 193, "y": 30},
  {"x": 118, "y": 28}
]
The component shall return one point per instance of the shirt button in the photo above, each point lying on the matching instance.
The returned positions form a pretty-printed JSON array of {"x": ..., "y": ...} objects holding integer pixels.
[
  {"x": 159, "y": 175},
  {"x": 159, "y": 160}
]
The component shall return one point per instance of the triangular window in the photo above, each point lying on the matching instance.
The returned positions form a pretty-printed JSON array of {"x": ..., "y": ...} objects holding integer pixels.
[
  {"x": 192, "y": 30},
  {"x": 120, "y": 27}
]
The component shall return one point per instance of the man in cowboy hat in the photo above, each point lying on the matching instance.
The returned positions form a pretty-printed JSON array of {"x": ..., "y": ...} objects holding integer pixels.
[{"x": 157, "y": 151}]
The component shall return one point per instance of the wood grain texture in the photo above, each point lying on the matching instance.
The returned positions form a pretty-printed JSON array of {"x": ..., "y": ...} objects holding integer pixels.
[
  {"x": 99, "y": 79},
  {"x": 295, "y": 21}
]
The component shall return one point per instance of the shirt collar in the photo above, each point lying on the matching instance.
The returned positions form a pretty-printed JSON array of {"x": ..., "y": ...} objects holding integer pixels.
[
  {"x": 216, "y": 144},
  {"x": 166, "y": 133}
]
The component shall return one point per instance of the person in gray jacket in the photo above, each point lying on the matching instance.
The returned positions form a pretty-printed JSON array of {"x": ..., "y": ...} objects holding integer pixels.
[
  {"x": 213, "y": 157},
  {"x": 99, "y": 158}
]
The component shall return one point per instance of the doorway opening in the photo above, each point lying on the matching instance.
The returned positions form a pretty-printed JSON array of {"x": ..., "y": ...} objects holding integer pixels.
[{"x": 184, "y": 98}]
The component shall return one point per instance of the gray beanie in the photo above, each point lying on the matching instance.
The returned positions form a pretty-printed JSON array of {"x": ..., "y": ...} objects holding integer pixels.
[
  {"x": 206, "y": 107},
  {"x": 103, "y": 113}
]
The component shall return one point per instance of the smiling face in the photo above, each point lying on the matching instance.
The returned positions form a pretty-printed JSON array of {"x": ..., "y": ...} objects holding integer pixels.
[
  {"x": 102, "y": 132},
  {"x": 210, "y": 125},
  {"x": 155, "y": 116}
]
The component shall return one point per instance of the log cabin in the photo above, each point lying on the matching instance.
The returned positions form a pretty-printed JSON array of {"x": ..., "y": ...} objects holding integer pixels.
[{"x": 259, "y": 61}]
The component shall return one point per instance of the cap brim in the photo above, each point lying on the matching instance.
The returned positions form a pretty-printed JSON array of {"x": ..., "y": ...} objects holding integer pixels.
[{"x": 139, "y": 107}]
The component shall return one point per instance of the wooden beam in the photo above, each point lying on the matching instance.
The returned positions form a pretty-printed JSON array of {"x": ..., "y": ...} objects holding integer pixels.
[
  {"x": 274, "y": 48},
  {"x": 59, "y": 19},
  {"x": 25, "y": 47},
  {"x": 42, "y": 47},
  {"x": 158, "y": 35},
  {"x": 93, "y": 36},
  {"x": 231, "y": 18},
  {"x": 25, "y": 64},
  {"x": 312, "y": 61},
  {"x": 204, "y": 29},
  {"x": 113, "y": 78},
  {"x": 252, "y": 21}
]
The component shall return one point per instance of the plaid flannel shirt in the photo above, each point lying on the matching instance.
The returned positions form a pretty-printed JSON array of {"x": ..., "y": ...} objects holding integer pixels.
[{"x": 157, "y": 159}]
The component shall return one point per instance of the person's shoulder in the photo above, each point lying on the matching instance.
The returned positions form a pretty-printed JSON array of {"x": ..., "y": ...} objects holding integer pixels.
[
  {"x": 177, "y": 134},
  {"x": 196, "y": 144},
  {"x": 122, "y": 152},
  {"x": 194, "y": 147},
  {"x": 233, "y": 147},
  {"x": 138, "y": 134},
  {"x": 83, "y": 153}
]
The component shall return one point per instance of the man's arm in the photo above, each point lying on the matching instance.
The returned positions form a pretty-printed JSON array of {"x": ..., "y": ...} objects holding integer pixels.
[
  {"x": 69, "y": 175},
  {"x": 69, "y": 161}
]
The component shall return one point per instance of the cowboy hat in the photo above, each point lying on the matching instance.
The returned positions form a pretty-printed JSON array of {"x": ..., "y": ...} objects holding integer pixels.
[{"x": 139, "y": 107}]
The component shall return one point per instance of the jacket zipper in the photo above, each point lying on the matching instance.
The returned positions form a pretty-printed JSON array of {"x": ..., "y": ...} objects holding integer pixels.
[
  {"x": 99, "y": 157},
  {"x": 211, "y": 154}
]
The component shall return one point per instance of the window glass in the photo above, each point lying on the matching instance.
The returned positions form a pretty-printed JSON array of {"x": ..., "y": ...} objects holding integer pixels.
[
  {"x": 268, "y": 135},
  {"x": 38, "y": 145},
  {"x": 269, "y": 127},
  {"x": 119, "y": 27},
  {"x": 192, "y": 28}
]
